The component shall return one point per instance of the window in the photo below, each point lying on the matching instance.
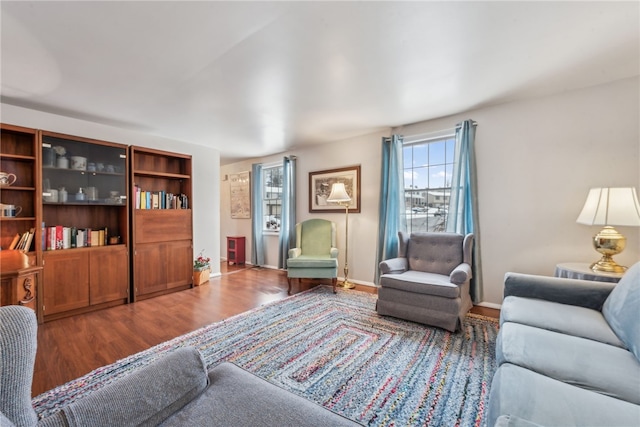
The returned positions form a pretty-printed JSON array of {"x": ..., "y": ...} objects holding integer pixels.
[
  {"x": 428, "y": 168},
  {"x": 272, "y": 197}
]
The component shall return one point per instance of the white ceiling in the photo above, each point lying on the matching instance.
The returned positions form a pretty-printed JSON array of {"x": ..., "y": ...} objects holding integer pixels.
[{"x": 257, "y": 78}]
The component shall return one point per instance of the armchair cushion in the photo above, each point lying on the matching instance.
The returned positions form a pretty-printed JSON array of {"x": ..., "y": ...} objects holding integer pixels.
[
  {"x": 418, "y": 282},
  {"x": 435, "y": 252},
  {"x": 621, "y": 309}
]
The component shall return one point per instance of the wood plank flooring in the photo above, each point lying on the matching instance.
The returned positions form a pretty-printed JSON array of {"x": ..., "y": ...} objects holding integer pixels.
[{"x": 71, "y": 347}]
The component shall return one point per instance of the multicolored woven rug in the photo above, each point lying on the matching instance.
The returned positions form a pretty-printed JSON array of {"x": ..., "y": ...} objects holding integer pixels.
[{"x": 336, "y": 351}]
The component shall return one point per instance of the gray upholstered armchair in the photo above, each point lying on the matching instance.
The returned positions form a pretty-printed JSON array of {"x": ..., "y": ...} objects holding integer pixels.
[
  {"x": 315, "y": 255},
  {"x": 429, "y": 281}
]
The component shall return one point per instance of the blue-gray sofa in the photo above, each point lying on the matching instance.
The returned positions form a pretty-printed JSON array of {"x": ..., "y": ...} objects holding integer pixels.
[
  {"x": 175, "y": 390},
  {"x": 568, "y": 353}
]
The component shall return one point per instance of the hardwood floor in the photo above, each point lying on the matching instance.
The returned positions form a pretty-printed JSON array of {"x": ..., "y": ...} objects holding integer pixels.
[{"x": 71, "y": 347}]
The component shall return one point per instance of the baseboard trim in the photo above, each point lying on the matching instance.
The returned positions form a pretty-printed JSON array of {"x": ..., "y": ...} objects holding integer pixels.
[{"x": 489, "y": 305}]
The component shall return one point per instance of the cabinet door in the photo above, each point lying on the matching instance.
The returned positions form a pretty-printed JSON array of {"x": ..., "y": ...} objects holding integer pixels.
[
  {"x": 109, "y": 274},
  {"x": 150, "y": 268},
  {"x": 66, "y": 281},
  {"x": 179, "y": 263}
]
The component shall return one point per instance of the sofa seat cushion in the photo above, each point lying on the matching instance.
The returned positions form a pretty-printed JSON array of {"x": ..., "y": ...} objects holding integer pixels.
[
  {"x": 622, "y": 309},
  {"x": 316, "y": 261},
  {"x": 542, "y": 400},
  {"x": 419, "y": 282},
  {"x": 567, "y": 319},
  {"x": 585, "y": 363},
  {"x": 236, "y": 397}
]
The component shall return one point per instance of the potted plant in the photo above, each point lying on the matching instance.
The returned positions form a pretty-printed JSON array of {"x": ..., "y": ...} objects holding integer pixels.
[{"x": 201, "y": 269}]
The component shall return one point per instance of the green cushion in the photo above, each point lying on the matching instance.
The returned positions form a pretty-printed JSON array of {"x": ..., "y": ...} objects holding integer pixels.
[{"x": 316, "y": 237}]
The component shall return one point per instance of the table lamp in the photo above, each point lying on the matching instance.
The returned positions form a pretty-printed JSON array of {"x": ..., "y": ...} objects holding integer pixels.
[
  {"x": 339, "y": 195},
  {"x": 609, "y": 207}
]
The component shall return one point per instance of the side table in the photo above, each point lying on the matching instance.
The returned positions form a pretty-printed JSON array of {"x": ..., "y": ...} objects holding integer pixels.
[
  {"x": 581, "y": 270},
  {"x": 235, "y": 249}
]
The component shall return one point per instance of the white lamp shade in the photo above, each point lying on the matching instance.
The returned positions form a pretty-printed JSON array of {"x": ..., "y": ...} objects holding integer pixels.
[
  {"x": 338, "y": 194},
  {"x": 611, "y": 206}
]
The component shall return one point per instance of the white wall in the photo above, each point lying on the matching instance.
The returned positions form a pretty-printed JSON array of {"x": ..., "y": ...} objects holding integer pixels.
[
  {"x": 536, "y": 161},
  {"x": 205, "y": 165},
  {"x": 364, "y": 151}
]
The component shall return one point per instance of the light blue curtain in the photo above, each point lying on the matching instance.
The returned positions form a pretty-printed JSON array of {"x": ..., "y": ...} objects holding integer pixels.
[
  {"x": 288, "y": 215},
  {"x": 257, "y": 219},
  {"x": 392, "y": 210},
  {"x": 463, "y": 204}
]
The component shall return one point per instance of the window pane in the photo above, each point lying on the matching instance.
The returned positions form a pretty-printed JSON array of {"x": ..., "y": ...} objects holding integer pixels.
[
  {"x": 428, "y": 170},
  {"x": 272, "y": 198}
]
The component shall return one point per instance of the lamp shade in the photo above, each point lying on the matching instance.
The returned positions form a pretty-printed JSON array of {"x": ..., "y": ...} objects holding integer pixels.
[
  {"x": 611, "y": 206},
  {"x": 338, "y": 194}
]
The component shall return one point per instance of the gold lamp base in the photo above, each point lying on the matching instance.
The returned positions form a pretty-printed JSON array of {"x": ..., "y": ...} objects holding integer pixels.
[
  {"x": 609, "y": 242},
  {"x": 345, "y": 284}
]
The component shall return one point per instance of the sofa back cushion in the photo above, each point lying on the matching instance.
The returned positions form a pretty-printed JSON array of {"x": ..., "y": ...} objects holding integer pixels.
[
  {"x": 435, "y": 252},
  {"x": 622, "y": 309}
]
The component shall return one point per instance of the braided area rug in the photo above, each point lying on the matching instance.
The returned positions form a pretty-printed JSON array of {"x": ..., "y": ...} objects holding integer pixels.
[{"x": 337, "y": 351}]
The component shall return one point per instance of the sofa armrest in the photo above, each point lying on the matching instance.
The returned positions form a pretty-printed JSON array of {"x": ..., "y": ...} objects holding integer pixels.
[
  {"x": 295, "y": 252},
  {"x": 334, "y": 253},
  {"x": 147, "y": 396},
  {"x": 394, "y": 266},
  {"x": 460, "y": 274},
  {"x": 584, "y": 293}
]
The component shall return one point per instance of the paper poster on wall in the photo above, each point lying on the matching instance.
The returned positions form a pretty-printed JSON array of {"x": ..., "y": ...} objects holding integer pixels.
[{"x": 240, "y": 190}]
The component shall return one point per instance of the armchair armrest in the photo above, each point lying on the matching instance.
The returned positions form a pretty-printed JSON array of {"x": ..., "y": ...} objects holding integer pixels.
[
  {"x": 295, "y": 252},
  {"x": 145, "y": 397},
  {"x": 584, "y": 293},
  {"x": 394, "y": 266},
  {"x": 334, "y": 253},
  {"x": 460, "y": 274}
]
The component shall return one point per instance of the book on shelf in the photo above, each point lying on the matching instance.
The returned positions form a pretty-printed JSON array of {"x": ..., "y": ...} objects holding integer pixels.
[
  {"x": 159, "y": 200},
  {"x": 15, "y": 241},
  {"x": 23, "y": 242},
  {"x": 60, "y": 237}
]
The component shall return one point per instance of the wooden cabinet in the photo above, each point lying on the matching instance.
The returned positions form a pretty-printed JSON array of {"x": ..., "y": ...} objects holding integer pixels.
[
  {"x": 84, "y": 279},
  {"x": 162, "y": 229},
  {"x": 18, "y": 280},
  {"x": 235, "y": 249},
  {"x": 84, "y": 209}
]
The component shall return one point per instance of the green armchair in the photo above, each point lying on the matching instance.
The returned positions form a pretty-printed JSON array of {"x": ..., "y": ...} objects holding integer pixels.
[{"x": 315, "y": 255}]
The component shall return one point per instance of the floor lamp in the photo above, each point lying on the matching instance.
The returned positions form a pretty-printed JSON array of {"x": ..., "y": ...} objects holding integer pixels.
[{"x": 339, "y": 195}]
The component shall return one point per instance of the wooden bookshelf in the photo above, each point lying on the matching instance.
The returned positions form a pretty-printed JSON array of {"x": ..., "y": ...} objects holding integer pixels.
[{"x": 162, "y": 232}]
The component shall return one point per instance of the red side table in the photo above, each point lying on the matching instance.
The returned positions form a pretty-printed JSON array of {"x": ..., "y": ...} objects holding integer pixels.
[{"x": 235, "y": 249}]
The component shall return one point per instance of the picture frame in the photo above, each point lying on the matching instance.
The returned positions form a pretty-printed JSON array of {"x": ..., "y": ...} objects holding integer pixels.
[
  {"x": 320, "y": 183},
  {"x": 240, "y": 190}
]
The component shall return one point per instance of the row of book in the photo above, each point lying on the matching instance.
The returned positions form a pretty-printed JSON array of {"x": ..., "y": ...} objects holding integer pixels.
[
  {"x": 59, "y": 237},
  {"x": 159, "y": 200},
  {"x": 22, "y": 242}
]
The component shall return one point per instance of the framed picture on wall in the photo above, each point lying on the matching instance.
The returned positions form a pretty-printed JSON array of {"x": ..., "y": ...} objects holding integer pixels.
[
  {"x": 240, "y": 190},
  {"x": 320, "y": 183}
]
